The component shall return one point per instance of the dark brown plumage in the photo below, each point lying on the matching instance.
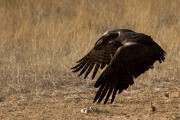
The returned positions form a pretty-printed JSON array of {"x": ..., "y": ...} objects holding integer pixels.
[{"x": 126, "y": 54}]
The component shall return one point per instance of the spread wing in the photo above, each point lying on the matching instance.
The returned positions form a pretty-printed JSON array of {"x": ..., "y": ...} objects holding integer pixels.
[
  {"x": 99, "y": 56},
  {"x": 130, "y": 60}
]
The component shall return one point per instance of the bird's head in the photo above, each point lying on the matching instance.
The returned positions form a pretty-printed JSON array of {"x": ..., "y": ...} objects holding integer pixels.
[{"x": 114, "y": 33}]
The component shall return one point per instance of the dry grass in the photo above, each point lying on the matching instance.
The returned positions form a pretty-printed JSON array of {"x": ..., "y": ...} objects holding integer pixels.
[{"x": 42, "y": 39}]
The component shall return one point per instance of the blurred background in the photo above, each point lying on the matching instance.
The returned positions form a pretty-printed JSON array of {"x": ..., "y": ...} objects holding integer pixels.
[{"x": 40, "y": 40}]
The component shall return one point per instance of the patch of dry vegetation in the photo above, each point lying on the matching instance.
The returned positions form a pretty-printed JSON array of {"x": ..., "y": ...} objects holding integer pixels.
[{"x": 42, "y": 39}]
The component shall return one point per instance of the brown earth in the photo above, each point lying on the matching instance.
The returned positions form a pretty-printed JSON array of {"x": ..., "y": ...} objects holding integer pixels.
[{"x": 40, "y": 40}]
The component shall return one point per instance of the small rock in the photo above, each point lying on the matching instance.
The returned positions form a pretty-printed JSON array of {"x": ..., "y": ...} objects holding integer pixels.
[
  {"x": 175, "y": 94},
  {"x": 2, "y": 99},
  {"x": 89, "y": 110},
  {"x": 166, "y": 94},
  {"x": 153, "y": 108}
]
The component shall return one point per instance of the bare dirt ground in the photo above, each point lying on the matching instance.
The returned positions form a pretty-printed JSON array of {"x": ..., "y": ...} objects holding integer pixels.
[
  {"x": 40, "y": 40},
  {"x": 67, "y": 101}
]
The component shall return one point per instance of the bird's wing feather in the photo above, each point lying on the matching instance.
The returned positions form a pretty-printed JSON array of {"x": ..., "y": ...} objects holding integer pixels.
[
  {"x": 129, "y": 61},
  {"x": 98, "y": 57}
]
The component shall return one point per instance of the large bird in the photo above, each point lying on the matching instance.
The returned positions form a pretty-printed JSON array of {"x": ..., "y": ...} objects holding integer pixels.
[{"x": 125, "y": 54}]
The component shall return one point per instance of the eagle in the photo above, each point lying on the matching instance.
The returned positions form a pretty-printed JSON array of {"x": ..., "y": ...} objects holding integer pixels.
[{"x": 125, "y": 55}]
